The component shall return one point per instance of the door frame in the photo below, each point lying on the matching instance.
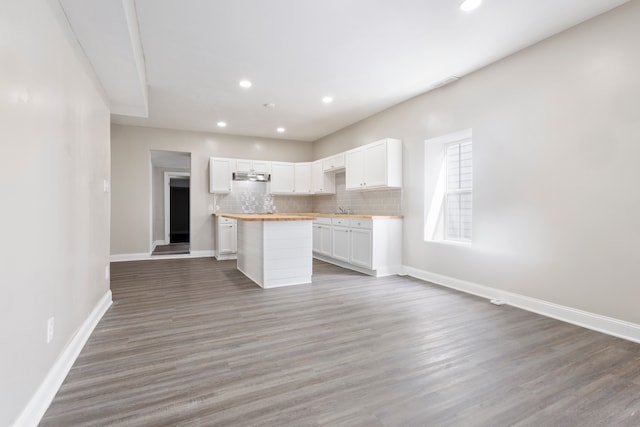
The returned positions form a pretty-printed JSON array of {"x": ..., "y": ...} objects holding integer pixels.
[{"x": 167, "y": 202}]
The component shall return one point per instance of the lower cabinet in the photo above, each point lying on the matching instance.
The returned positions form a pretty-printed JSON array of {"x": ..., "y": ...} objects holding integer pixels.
[
  {"x": 226, "y": 240},
  {"x": 340, "y": 243},
  {"x": 361, "y": 245},
  {"x": 371, "y": 246},
  {"x": 322, "y": 238}
]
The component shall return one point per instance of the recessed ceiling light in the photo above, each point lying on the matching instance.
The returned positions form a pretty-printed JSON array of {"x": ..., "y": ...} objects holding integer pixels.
[
  {"x": 269, "y": 105},
  {"x": 469, "y": 5},
  {"x": 222, "y": 124},
  {"x": 327, "y": 99},
  {"x": 245, "y": 84},
  {"x": 280, "y": 130}
]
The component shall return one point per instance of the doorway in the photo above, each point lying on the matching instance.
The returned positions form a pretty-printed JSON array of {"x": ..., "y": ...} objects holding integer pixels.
[{"x": 170, "y": 210}]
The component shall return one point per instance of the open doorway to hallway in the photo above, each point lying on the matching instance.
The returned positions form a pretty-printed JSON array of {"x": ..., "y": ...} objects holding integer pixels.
[{"x": 170, "y": 202}]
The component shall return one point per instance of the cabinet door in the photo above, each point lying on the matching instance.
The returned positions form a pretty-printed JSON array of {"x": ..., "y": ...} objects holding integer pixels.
[
  {"x": 322, "y": 183},
  {"x": 220, "y": 171},
  {"x": 340, "y": 243},
  {"x": 325, "y": 242},
  {"x": 227, "y": 241},
  {"x": 259, "y": 166},
  {"x": 244, "y": 165},
  {"x": 375, "y": 165},
  {"x": 361, "y": 245},
  {"x": 282, "y": 178},
  {"x": 302, "y": 178},
  {"x": 317, "y": 238},
  {"x": 333, "y": 163},
  {"x": 354, "y": 173}
]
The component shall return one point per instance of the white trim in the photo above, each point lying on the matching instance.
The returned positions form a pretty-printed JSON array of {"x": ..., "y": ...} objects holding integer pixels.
[
  {"x": 32, "y": 414},
  {"x": 167, "y": 200},
  {"x": 145, "y": 256},
  {"x": 607, "y": 325},
  {"x": 157, "y": 243}
]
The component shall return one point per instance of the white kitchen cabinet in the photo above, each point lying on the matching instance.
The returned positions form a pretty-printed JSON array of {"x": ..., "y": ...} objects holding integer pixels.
[
  {"x": 322, "y": 236},
  {"x": 220, "y": 172},
  {"x": 360, "y": 245},
  {"x": 340, "y": 243},
  {"x": 322, "y": 239},
  {"x": 354, "y": 173},
  {"x": 374, "y": 166},
  {"x": 333, "y": 163},
  {"x": 282, "y": 178},
  {"x": 321, "y": 182},
  {"x": 226, "y": 238},
  {"x": 302, "y": 178},
  {"x": 369, "y": 245},
  {"x": 248, "y": 166}
]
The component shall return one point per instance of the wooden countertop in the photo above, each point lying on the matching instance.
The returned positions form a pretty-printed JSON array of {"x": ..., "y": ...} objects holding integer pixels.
[
  {"x": 267, "y": 217},
  {"x": 292, "y": 216},
  {"x": 337, "y": 215}
]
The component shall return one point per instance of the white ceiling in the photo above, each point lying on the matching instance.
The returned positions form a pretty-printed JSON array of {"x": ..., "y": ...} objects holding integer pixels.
[{"x": 189, "y": 55}]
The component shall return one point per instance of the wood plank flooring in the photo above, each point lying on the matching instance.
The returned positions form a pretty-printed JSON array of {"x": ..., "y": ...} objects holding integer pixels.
[{"x": 192, "y": 342}]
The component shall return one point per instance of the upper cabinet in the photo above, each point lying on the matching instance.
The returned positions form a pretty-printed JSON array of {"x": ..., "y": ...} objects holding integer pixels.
[
  {"x": 373, "y": 166},
  {"x": 282, "y": 178},
  {"x": 302, "y": 178},
  {"x": 220, "y": 171},
  {"x": 322, "y": 183},
  {"x": 252, "y": 166},
  {"x": 333, "y": 163}
]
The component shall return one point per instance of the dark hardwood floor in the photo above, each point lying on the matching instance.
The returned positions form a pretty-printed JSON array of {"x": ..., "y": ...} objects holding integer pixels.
[{"x": 192, "y": 342}]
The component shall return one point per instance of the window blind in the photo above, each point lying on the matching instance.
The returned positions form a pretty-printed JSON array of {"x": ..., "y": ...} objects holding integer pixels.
[{"x": 458, "y": 206}]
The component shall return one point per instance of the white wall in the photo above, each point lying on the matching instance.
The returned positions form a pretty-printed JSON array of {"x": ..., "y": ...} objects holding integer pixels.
[
  {"x": 131, "y": 171},
  {"x": 54, "y": 155},
  {"x": 556, "y": 166}
]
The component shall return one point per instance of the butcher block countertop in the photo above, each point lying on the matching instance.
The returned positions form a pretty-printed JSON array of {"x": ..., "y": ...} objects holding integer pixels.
[
  {"x": 292, "y": 216},
  {"x": 267, "y": 217},
  {"x": 337, "y": 215}
]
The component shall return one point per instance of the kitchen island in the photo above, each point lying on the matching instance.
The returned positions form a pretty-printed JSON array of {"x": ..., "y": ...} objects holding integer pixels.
[{"x": 274, "y": 249}]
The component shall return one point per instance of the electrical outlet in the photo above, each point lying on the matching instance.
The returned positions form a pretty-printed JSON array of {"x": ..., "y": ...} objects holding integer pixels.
[
  {"x": 50, "y": 330},
  {"x": 106, "y": 186},
  {"x": 106, "y": 272}
]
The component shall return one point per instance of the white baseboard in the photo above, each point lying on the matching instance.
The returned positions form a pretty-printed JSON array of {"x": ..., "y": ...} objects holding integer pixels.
[
  {"x": 146, "y": 256},
  {"x": 608, "y": 325},
  {"x": 32, "y": 414}
]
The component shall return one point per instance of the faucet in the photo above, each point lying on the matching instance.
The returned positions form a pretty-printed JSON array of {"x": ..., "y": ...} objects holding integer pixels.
[{"x": 345, "y": 210}]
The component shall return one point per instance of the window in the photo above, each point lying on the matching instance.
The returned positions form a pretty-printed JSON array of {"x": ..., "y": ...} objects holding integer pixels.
[
  {"x": 458, "y": 191},
  {"x": 448, "y": 188}
]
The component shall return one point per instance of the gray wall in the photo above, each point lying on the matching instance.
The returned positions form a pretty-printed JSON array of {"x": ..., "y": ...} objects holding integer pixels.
[
  {"x": 131, "y": 232},
  {"x": 54, "y": 153},
  {"x": 556, "y": 167}
]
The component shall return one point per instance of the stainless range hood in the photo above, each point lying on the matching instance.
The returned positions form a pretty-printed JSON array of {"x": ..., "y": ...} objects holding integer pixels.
[{"x": 251, "y": 176}]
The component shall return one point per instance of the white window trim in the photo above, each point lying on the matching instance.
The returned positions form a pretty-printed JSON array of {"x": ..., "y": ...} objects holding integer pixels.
[{"x": 435, "y": 188}]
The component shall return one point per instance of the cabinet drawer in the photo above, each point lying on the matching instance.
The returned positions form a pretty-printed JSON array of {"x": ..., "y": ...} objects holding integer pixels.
[
  {"x": 223, "y": 220},
  {"x": 340, "y": 221},
  {"x": 361, "y": 223},
  {"x": 322, "y": 220}
]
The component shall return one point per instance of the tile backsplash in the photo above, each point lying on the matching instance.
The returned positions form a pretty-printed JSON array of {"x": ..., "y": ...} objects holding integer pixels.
[
  {"x": 252, "y": 197},
  {"x": 374, "y": 202}
]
